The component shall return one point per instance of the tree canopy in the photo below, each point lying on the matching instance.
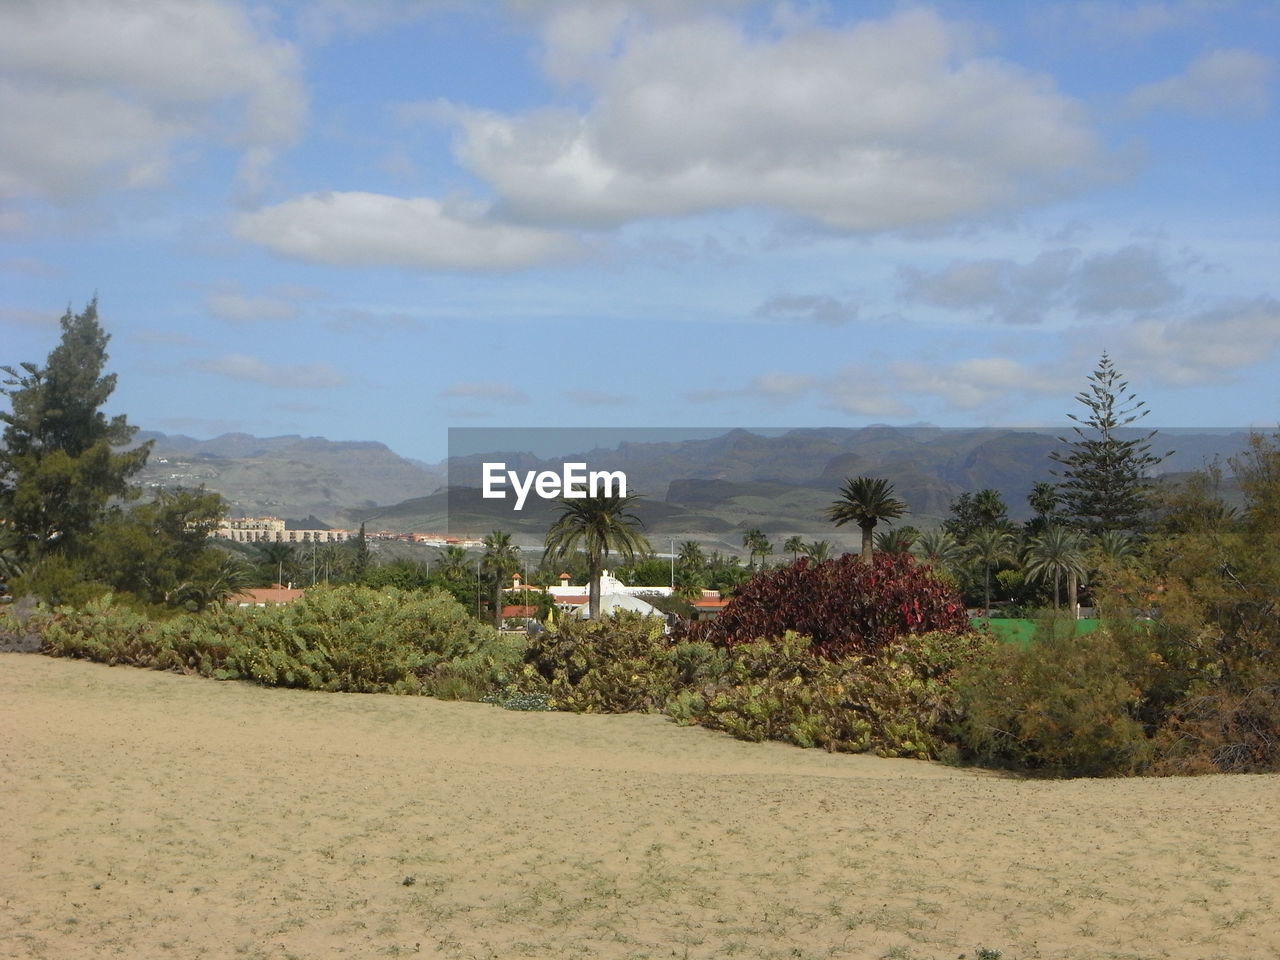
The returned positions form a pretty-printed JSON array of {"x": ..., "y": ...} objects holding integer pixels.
[
  {"x": 60, "y": 462},
  {"x": 1105, "y": 476}
]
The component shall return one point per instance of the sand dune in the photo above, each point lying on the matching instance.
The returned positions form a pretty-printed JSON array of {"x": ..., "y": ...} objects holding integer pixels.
[{"x": 152, "y": 815}]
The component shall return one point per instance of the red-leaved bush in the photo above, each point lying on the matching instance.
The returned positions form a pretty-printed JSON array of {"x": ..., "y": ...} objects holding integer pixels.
[{"x": 845, "y": 606}]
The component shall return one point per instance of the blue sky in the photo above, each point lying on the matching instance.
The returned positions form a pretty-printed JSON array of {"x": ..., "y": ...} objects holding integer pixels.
[{"x": 375, "y": 220}]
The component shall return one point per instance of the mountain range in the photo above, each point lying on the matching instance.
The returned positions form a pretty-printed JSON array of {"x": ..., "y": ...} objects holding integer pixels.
[{"x": 709, "y": 489}]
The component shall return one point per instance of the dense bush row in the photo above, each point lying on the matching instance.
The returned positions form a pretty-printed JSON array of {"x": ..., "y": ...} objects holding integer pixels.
[
  {"x": 897, "y": 702},
  {"x": 351, "y": 639},
  {"x": 1132, "y": 697}
]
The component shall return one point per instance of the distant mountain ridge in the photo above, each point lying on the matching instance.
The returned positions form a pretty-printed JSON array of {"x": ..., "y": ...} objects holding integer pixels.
[
  {"x": 289, "y": 476},
  {"x": 710, "y": 489}
]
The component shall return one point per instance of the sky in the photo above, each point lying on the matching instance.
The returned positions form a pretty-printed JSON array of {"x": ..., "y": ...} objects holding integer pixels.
[{"x": 379, "y": 219}]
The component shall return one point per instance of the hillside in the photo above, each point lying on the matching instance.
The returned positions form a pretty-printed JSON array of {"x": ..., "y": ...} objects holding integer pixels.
[
  {"x": 709, "y": 489},
  {"x": 288, "y": 476}
]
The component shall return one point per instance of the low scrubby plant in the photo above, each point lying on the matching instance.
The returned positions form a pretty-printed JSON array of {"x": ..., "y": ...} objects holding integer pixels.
[
  {"x": 845, "y": 607},
  {"x": 898, "y": 702},
  {"x": 618, "y": 664},
  {"x": 351, "y": 639},
  {"x": 1063, "y": 706}
]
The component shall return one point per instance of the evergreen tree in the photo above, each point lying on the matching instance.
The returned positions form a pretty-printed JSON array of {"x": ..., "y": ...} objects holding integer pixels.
[
  {"x": 1105, "y": 481},
  {"x": 60, "y": 463}
]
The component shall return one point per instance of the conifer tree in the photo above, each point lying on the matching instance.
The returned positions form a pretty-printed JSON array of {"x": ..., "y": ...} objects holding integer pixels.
[
  {"x": 1106, "y": 481},
  {"x": 60, "y": 460}
]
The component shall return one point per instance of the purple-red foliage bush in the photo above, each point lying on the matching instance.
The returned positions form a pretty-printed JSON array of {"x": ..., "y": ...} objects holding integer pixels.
[{"x": 845, "y": 606}]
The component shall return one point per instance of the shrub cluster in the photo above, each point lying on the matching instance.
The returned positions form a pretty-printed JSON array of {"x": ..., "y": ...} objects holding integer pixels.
[
  {"x": 897, "y": 702},
  {"x": 351, "y": 639},
  {"x": 845, "y": 607}
]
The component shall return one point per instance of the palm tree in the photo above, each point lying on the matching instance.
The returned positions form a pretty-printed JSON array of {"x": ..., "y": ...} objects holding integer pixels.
[
  {"x": 866, "y": 501},
  {"x": 452, "y": 564},
  {"x": 893, "y": 541},
  {"x": 230, "y": 576},
  {"x": 793, "y": 546},
  {"x": 756, "y": 543},
  {"x": 938, "y": 548},
  {"x": 818, "y": 550},
  {"x": 500, "y": 560},
  {"x": 1043, "y": 500},
  {"x": 989, "y": 507},
  {"x": 1056, "y": 552},
  {"x": 691, "y": 558},
  {"x": 276, "y": 559},
  {"x": 598, "y": 525},
  {"x": 989, "y": 546}
]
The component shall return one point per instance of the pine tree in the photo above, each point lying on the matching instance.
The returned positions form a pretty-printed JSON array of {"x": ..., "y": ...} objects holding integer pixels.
[
  {"x": 1105, "y": 481},
  {"x": 60, "y": 462}
]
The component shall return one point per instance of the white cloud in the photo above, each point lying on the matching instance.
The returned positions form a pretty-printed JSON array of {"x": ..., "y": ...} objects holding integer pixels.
[
  {"x": 782, "y": 386},
  {"x": 370, "y": 229},
  {"x": 978, "y": 382},
  {"x": 239, "y": 308},
  {"x": 486, "y": 390},
  {"x": 239, "y": 366},
  {"x": 809, "y": 308},
  {"x": 1208, "y": 346},
  {"x": 864, "y": 391},
  {"x": 26, "y": 317},
  {"x": 599, "y": 398},
  {"x": 96, "y": 94},
  {"x": 1220, "y": 82},
  {"x": 998, "y": 385},
  {"x": 1132, "y": 278},
  {"x": 883, "y": 125}
]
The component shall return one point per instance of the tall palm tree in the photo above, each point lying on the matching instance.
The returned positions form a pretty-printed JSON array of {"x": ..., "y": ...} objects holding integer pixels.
[
  {"x": 866, "y": 501},
  {"x": 989, "y": 546},
  {"x": 500, "y": 560},
  {"x": 691, "y": 558},
  {"x": 1043, "y": 500},
  {"x": 597, "y": 525},
  {"x": 277, "y": 561},
  {"x": 794, "y": 544},
  {"x": 757, "y": 544},
  {"x": 1057, "y": 552}
]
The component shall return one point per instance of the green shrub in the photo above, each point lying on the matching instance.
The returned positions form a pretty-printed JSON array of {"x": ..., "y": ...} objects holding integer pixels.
[
  {"x": 897, "y": 703},
  {"x": 101, "y": 630},
  {"x": 618, "y": 664},
  {"x": 352, "y": 639},
  {"x": 1066, "y": 706}
]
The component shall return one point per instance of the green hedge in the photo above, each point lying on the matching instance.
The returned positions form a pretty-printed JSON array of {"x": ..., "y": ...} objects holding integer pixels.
[{"x": 351, "y": 639}]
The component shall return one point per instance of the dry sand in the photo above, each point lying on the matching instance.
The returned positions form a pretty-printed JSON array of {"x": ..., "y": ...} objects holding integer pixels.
[{"x": 152, "y": 815}]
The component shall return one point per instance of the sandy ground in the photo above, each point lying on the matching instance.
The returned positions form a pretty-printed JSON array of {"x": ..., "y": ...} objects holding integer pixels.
[{"x": 152, "y": 815}]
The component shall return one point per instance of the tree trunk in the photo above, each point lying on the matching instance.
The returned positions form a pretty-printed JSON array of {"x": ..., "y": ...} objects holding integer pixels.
[
  {"x": 1073, "y": 595},
  {"x": 868, "y": 542},
  {"x": 986, "y": 570},
  {"x": 593, "y": 589}
]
